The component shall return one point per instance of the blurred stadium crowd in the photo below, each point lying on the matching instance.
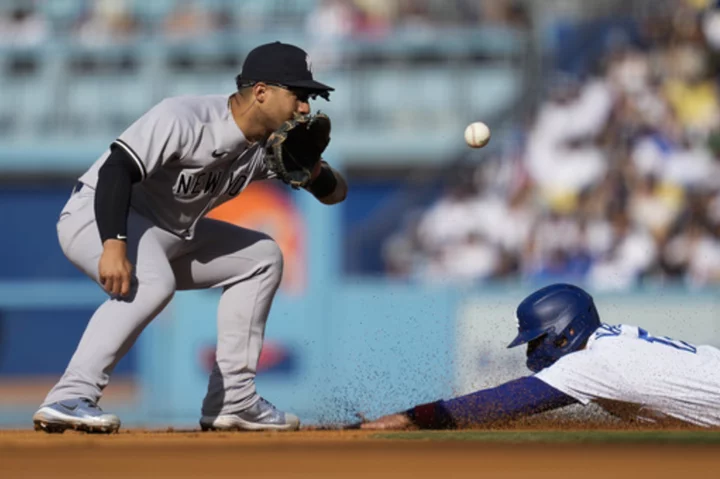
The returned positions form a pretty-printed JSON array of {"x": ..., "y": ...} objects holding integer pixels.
[
  {"x": 613, "y": 182},
  {"x": 30, "y": 22},
  {"x": 58, "y": 58}
]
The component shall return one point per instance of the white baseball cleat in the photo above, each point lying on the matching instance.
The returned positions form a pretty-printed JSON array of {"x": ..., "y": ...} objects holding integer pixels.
[
  {"x": 79, "y": 414},
  {"x": 261, "y": 416}
]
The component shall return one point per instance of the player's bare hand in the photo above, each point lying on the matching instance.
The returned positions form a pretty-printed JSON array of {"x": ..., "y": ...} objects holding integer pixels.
[
  {"x": 391, "y": 422},
  {"x": 114, "y": 268}
]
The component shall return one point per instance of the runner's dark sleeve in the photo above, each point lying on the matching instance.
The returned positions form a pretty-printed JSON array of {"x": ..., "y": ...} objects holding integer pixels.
[
  {"x": 512, "y": 400},
  {"x": 112, "y": 194}
]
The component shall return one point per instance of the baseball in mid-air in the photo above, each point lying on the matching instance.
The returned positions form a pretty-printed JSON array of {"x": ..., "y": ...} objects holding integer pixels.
[{"x": 477, "y": 134}]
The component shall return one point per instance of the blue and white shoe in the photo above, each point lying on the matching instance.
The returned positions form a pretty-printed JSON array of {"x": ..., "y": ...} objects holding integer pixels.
[
  {"x": 79, "y": 414},
  {"x": 262, "y": 416}
]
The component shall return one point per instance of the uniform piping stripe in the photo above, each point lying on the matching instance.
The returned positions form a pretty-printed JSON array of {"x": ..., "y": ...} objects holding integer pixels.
[{"x": 133, "y": 155}]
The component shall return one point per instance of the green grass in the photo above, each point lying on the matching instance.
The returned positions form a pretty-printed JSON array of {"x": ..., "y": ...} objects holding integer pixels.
[{"x": 637, "y": 437}]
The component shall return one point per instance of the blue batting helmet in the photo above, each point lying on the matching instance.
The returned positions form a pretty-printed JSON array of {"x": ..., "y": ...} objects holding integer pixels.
[{"x": 556, "y": 320}]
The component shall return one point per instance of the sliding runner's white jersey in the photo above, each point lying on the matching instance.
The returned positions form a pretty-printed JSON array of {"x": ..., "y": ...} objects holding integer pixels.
[{"x": 637, "y": 376}]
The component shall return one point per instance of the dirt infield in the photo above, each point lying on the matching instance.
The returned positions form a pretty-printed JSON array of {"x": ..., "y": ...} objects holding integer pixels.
[{"x": 336, "y": 454}]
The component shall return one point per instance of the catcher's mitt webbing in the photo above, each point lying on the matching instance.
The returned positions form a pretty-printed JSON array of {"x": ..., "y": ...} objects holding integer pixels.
[{"x": 294, "y": 149}]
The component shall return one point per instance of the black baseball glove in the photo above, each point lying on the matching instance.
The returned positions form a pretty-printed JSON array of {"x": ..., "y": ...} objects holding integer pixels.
[{"x": 294, "y": 149}]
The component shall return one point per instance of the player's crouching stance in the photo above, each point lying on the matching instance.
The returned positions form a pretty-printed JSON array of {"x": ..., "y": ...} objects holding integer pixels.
[
  {"x": 577, "y": 359},
  {"x": 136, "y": 225}
]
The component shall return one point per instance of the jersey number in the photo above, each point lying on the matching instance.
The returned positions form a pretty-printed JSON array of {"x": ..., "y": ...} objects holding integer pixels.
[{"x": 675, "y": 343}]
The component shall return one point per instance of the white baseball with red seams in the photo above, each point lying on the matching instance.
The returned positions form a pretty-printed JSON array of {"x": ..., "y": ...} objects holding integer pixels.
[{"x": 477, "y": 134}]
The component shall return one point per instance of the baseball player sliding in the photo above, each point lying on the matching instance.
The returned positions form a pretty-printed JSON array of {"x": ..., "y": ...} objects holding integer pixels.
[
  {"x": 135, "y": 224},
  {"x": 624, "y": 369}
]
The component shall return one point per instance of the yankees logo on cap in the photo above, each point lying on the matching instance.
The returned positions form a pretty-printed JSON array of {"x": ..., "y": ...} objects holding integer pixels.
[{"x": 283, "y": 64}]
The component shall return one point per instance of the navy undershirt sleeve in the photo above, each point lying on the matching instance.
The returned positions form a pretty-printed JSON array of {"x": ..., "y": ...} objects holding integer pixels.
[
  {"x": 112, "y": 194},
  {"x": 512, "y": 400}
]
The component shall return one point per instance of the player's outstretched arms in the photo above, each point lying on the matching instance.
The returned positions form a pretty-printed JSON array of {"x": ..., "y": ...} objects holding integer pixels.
[
  {"x": 327, "y": 184},
  {"x": 512, "y": 400}
]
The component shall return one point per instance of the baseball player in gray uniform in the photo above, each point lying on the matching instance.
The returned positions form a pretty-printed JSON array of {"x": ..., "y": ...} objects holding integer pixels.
[{"x": 135, "y": 224}]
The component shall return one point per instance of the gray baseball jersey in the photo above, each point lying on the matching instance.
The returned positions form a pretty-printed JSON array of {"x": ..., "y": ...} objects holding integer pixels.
[{"x": 192, "y": 157}]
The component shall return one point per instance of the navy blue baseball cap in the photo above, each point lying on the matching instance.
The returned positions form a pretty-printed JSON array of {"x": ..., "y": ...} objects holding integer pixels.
[{"x": 281, "y": 64}]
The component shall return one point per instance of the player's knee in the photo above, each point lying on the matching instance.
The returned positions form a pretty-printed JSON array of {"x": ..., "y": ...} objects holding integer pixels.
[
  {"x": 161, "y": 290},
  {"x": 165, "y": 290},
  {"x": 274, "y": 259}
]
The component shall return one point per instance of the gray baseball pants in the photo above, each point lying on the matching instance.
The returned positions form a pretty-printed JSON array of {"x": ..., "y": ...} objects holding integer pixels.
[{"x": 246, "y": 264}]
